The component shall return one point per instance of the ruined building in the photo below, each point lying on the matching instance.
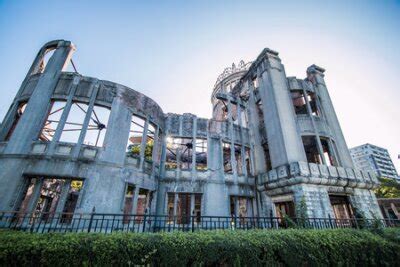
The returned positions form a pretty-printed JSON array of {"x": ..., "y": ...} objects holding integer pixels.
[{"x": 70, "y": 143}]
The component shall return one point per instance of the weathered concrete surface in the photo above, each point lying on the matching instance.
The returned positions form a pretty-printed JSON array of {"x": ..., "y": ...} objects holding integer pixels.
[{"x": 252, "y": 106}]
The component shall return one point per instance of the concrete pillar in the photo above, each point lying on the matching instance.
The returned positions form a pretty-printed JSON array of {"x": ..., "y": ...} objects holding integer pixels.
[
  {"x": 192, "y": 199},
  {"x": 64, "y": 195},
  {"x": 31, "y": 122},
  {"x": 35, "y": 195},
  {"x": 143, "y": 143},
  {"x": 86, "y": 121},
  {"x": 194, "y": 131},
  {"x": 254, "y": 126},
  {"x": 279, "y": 116},
  {"x": 316, "y": 75},
  {"x": 117, "y": 133},
  {"x": 232, "y": 136},
  {"x": 176, "y": 197}
]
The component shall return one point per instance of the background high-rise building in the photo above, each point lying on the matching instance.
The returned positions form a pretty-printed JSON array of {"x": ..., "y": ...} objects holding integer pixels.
[{"x": 374, "y": 158}]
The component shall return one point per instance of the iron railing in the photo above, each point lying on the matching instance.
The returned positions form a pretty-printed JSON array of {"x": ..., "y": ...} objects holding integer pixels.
[{"x": 107, "y": 223}]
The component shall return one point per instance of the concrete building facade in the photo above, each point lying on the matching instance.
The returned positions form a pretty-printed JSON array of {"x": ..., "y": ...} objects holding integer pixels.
[
  {"x": 374, "y": 158},
  {"x": 70, "y": 143}
]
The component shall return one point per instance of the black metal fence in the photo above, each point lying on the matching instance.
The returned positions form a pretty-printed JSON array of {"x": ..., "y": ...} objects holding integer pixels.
[{"x": 107, "y": 223}]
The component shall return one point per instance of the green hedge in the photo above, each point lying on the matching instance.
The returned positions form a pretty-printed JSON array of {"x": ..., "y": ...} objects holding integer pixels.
[{"x": 250, "y": 248}]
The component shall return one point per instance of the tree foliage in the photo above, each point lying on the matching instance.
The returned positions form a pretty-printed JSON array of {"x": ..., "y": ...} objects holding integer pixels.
[{"x": 389, "y": 188}]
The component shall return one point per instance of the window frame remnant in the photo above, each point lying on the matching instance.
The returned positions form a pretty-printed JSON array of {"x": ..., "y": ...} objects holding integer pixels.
[
  {"x": 98, "y": 122},
  {"x": 227, "y": 158},
  {"x": 238, "y": 159},
  {"x": 135, "y": 137},
  {"x": 179, "y": 153},
  {"x": 72, "y": 200},
  {"x": 285, "y": 208},
  {"x": 241, "y": 207},
  {"x": 329, "y": 155},
  {"x": 313, "y": 155},
  {"x": 186, "y": 153},
  {"x": 267, "y": 156},
  {"x": 171, "y": 158},
  {"x": 53, "y": 119},
  {"x": 299, "y": 102},
  {"x": 201, "y": 150},
  {"x": 311, "y": 149},
  {"x": 74, "y": 124},
  {"x": 129, "y": 195},
  {"x": 341, "y": 206},
  {"x": 184, "y": 213},
  {"x": 247, "y": 159}
]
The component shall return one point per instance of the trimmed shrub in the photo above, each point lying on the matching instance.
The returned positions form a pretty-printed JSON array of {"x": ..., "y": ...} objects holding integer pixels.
[{"x": 294, "y": 247}]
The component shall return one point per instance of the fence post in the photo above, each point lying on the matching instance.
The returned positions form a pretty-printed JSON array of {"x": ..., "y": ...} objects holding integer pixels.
[
  {"x": 33, "y": 222},
  {"x": 144, "y": 221},
  {"x": 193, "y": 218},
  {"x": 330, "y": 220},
  {"x": 91, "y": 219},
  {"x": 355, "y": 222},
  {"x": 271, "y": 218}
]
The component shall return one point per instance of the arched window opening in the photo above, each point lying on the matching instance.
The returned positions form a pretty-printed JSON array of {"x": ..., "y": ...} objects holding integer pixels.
[{"x": 44, "y": 60}]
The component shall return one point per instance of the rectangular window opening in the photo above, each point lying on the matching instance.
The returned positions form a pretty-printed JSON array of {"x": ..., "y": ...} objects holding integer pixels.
[
  {"x": 52, "y": 121},
  {"x": 201, "y": 154},
  {"x": 135, "y": 137},
  {"x": 74, "y": 123},
  {"x": 226, "y": 148},
  {"x": 311, "y": 149}
]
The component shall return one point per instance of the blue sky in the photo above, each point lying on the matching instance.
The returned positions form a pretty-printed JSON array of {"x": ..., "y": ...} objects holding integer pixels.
[{"x": 173, "y": 51}]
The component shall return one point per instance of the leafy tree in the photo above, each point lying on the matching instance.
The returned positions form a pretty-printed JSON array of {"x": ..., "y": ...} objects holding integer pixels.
[{"x": 389, "y": 188}]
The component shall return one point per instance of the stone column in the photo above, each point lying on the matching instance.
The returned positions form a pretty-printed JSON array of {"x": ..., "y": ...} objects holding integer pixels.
[
  {"x": 254, "y": 126},
  {"x": 117, "y": 132},
  {"x": 76, "y": 150},
  {"x": 316, "y": 75},
  {"x": 143, "y": 143},
  {"x": 279, "y": 117},
  {"x": 31, "y": 122}
]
